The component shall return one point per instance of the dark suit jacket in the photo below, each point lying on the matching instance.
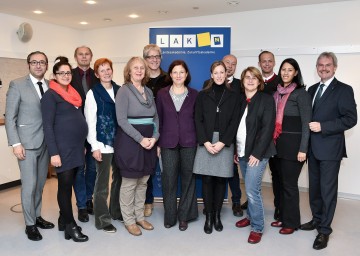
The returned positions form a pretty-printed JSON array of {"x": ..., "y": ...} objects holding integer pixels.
[
  {"x": 76, "y": 82},
  {"x": 176, "y": 127},
  {"x": 336, "y": 112},
  {"x": 260, "y": 124},
  {"x": 205, "y": 116},
  {"x": 271, "y": 86}
]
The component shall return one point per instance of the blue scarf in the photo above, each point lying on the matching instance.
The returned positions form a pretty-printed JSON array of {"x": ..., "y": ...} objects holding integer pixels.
[{"x": 106, "y": 115}]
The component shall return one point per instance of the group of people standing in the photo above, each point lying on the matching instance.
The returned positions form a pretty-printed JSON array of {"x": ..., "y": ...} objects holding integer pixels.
[{"x": 83, "y": 121}]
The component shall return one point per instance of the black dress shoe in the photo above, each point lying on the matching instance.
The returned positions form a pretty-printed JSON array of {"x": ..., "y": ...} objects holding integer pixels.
[
  {"x": 62, "y": 224},
  {"x": 90, "y": 207},
  {"x": 41, "y": 223},
  {"x": 321, "y": 241},
  {"x": 83, "y": 215},
  {"x": 277, "y": 214},
  {"x": 109, "y": 229},
  {"x": 73, "y": 231},
  {"x": 183, "y": 225},
  {"x": 33, "y": 233},
  {"x": 311, "y": 225},
  {"x": 237, "y": 211},
  {"x": 244, "y": 206}
]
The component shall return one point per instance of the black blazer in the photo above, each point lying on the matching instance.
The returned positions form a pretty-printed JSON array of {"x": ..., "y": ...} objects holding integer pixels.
[
  {"x": 76, "y": 82},
  {"x": 260, "y": 124},
  {"x": 336, "y": 112},
  {"x": 205, "y": 115}
]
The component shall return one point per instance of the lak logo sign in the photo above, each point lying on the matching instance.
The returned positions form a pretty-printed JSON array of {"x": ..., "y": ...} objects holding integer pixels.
[{"x": 190, "y": 40}]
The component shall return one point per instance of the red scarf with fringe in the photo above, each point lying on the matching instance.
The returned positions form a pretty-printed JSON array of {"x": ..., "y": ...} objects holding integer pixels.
[
  {"x": 281, "y": 96},
  {"x": 70, "y": 95}
]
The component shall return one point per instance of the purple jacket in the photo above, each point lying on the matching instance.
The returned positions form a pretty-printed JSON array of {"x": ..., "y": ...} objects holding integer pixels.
[{"x": 176, "y": 128}]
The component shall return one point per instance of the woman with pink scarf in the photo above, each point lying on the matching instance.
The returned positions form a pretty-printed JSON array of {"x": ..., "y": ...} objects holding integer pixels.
[{"x": 291, "y": 136}]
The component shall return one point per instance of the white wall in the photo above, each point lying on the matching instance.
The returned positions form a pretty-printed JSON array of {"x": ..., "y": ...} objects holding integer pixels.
[{"x": 300, "y": 32}]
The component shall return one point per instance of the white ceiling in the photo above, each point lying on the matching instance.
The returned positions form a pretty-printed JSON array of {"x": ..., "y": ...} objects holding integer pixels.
[{"x": 69, "y": 13}]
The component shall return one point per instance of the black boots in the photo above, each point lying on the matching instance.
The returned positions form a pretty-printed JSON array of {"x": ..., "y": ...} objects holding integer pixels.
[
  {"x": 73, "y": 231},
  {"x": 61, "y": 222},
  {"x": 209, "y": 222},
  {"x": 217, "y": 222}
]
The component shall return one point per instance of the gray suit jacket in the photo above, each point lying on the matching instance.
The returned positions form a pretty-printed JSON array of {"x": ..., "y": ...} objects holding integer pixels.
[{"x": 23, "y": 120}]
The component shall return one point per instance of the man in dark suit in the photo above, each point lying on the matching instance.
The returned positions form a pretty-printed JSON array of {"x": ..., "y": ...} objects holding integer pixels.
[
  {"x": 83, "y": 79},
  {"x": 25, "y": 134},
  {"x": 230, "y": 62},
  {"x": 271, "y": 81},
  {"x": 334, "y": 112}
]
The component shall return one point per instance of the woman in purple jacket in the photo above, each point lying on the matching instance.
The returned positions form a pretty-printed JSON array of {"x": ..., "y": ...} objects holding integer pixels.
[{"x": 175, "y": 105}]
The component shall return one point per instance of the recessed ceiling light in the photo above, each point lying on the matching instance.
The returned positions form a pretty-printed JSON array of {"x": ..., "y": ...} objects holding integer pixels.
[
  {"x": 38, "y": 12},
  {"x": 107, "y": 19},
  {"x": 84, "y": 23},
  {"x": 90, "y": 2},
  {"x": 196, "y": 8},
  {"x": 233, "y": 3},
  {"x": 162, "y": 12},
  {"x": 134, "y": 16}
]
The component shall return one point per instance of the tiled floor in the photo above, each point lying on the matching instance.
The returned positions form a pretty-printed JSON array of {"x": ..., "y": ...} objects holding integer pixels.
[{"x": 172, "y": 242}]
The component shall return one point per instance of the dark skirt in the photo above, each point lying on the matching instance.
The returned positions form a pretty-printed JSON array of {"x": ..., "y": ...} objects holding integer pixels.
[{"x": 132, "y": 159}]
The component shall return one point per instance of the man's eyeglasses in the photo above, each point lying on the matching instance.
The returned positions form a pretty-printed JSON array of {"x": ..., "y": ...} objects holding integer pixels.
[
  {"x": 153, "y": 57},
  {"x": 35, "y": 63},
  {"x": 64, "y": 73}
]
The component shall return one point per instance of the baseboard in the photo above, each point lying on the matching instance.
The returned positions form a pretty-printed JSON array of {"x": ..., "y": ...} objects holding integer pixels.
[{"x": 10, "y": 184}]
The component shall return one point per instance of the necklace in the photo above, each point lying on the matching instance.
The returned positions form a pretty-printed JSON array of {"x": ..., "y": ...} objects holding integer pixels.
[{"x": 217, "y": 107}]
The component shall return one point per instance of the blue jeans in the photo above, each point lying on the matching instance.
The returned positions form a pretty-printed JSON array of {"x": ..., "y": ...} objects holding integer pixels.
[
  {"x": 85, "y": 180},
  {"x": 234, "y": 184},
  {"x": 253, "y": 178}
]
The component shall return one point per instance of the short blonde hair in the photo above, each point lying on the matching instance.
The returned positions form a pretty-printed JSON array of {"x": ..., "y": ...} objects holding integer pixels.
[{"x": 127, "y": 78}]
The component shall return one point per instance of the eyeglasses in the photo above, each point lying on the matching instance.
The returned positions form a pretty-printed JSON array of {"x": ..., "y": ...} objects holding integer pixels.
[
  {"x": 35, "y": 63},
  {"x": 64, "y": 73},
  {"x": 153, "y": 57}
]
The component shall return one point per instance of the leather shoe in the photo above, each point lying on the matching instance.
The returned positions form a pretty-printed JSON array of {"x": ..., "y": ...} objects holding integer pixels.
[
  {"x": 287, "y": 231},
  {"x": 73, "y": 232},
  {"x": 83, "y": 215},
  {"x": 41, "y": 223},
  {"x": 276, "y": 224},
  {"x": 254, "y": 237},
  {"x": 133, "y": 229},
  {"x": 169, "y": 225},
  {"x": 109, "y": 229},
  {"x": 311, "y": 225},
  {"x": 244, "y": 206},
  {"x": 148, "y": 210},
  {"x": 90, "y": 207},
  {"x": 145, "y": 225},
  {"x": 242, "y": 223},
  {"x": 321, "y": 241},
  {"x": 33, "y": 233},
  {"x": 183, "y": 225},
  {"x": 237, "y": 211}
]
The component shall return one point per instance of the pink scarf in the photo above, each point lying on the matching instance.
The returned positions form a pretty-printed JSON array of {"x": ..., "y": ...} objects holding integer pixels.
[
  {"x": 71, "y": 95},
  {"x": 281, "y": 96}
]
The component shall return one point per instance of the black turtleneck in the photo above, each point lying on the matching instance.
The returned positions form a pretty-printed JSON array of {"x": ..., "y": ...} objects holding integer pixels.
[{"x": 219, "y": 91}]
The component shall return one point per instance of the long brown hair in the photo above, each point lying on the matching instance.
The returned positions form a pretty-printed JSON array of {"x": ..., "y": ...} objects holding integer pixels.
[{"x": 211, "y": 81}]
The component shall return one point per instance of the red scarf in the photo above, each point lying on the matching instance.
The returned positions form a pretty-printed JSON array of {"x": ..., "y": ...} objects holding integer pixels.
[
  {"x": 70, "y": 95},
  {"x": 281, "y": 96}
]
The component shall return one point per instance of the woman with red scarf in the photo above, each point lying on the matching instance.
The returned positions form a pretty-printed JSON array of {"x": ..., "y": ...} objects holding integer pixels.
[
  {"x": 65, "y": 131},
  {"x": 291, "y": 135}
]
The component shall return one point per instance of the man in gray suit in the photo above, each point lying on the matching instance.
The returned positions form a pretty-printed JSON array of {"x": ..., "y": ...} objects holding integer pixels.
[{"x": 23, "y": 123}]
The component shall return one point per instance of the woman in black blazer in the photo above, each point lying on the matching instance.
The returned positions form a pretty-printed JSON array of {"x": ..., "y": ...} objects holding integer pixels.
[
  {"x": 291, "y": 135},
  {"x": 254, "y": 146},
  {"x": 216, "y": 120}
]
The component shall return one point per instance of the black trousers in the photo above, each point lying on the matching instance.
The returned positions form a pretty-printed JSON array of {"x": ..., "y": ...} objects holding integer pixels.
[
  {"x": 323, "y": 189},
  {"x": 289, "y": 197},
  {"x": 65, "y": 183},
  {"x": 178, "y": 161},
  {"x": 276, "y": 182},
  {"x": 213, "y": 189}
]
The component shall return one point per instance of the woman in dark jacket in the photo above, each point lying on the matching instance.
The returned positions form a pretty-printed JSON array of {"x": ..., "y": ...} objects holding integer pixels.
[
  {"x": 291, "y": 135},
  {"x": 65, "y": 131},
  {"x": 176, "y": 108},
  {"x": 254, "y": 146},
  {"x": 216, "y": 120}
]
